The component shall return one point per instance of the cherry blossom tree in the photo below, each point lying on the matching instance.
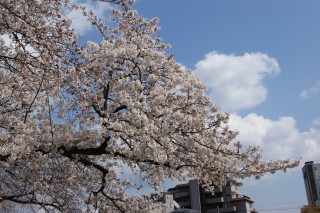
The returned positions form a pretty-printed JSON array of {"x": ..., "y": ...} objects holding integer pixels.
[{"x": 73, "y": 115}]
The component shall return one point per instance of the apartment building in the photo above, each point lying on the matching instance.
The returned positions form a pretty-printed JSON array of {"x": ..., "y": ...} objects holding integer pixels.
[
  {"x": 166, "y": 204},
  {"x": 311, "y": 176},
  {"x": 225, "y": 199}
]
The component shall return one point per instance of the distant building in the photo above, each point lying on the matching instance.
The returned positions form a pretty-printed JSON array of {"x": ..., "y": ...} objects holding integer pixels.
[
  {"x": 224, "y": 200},
  {"x": 184, "y": 211},
  {"x": 166, "y": 204},
  {"x": 311, "y": 176}
]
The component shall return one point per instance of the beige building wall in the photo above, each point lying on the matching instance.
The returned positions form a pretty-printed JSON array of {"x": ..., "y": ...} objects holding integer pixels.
[{"x": 166, "y": 205}]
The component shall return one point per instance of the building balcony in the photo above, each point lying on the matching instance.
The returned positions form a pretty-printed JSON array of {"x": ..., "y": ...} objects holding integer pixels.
[
  {"x": 215, "y": 200},
  {"x": 217, "y": 189},
  {"x": 181, "y": 194},
  {"x": 184, "y": 203},
  {"x": 222, "y": 210}
]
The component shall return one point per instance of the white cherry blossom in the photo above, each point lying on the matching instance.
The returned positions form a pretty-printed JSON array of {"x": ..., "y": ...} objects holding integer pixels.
[{"x": 72, "y": 115}]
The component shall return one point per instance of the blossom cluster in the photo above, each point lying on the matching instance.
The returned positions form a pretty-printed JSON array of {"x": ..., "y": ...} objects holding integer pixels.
[{"x": 71, "y": 115}]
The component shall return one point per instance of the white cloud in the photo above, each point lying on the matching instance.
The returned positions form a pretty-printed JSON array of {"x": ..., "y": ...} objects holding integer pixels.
[
  {"x": 80, "y": 22},
  {"x": 278, "y": 139},
  {"x": 305, "y": 94},
  {"x": 235, "y": 82},
  {"x": 8, "y": 42},
  {"x": 6, "y": 39},
  {"x": 316, "y": 121}
]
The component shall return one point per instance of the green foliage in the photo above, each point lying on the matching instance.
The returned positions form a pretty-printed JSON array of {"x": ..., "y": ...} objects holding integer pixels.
[{"x": 310, "y": 209}]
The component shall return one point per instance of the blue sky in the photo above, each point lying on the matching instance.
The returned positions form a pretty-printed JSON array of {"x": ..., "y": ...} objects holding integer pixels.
[
  {"x": 260, "y": 60},
  {"x": 283, "y": 118},
  {"x": 286, "y": 30}
]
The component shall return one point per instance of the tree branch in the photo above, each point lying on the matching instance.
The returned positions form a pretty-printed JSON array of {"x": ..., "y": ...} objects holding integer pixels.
[
  {"x": 30, "y": 201},
  {"x": 120, "y": 108},
  {"x": 4, "y": 157}
]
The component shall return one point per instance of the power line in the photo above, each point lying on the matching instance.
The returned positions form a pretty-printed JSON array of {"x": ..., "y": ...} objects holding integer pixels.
[{"x": 279, "y": 209}]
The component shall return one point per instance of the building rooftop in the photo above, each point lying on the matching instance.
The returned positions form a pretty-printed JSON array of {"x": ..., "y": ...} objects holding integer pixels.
[{"x": 244, "y": 198}]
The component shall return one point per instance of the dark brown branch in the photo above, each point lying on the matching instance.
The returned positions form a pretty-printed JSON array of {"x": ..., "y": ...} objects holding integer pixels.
[
  {"x": 4, "y": 157},
  {"x": 97, "y": 110},
  {"x": 87, "y": 162},
  {"x": 100, "y": 150},
  {"x": 120, "y": 108},
  {"x": 113, "y": 200},
  {"x": 30, "y": 201},
  {"x": 106, "y": 95},
  {"x": 35, "y": 97},
  {"x": 42, "y": 150}
]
